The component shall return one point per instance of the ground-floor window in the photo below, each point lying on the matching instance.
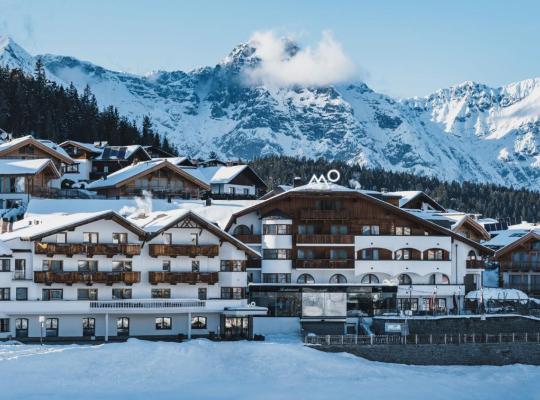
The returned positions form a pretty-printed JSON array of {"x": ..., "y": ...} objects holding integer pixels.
[
  {"x": 163, "y": 323},
  {"x": 161, "y": 293},
  {"x": 407, "y": 304},
  {"x": 236, "y": 327},
  {"x": 51, "y": 327},
  {"x": 122, "y": 326},
  {"x": 21, "y": 327},
  {"x": 89, "y": 326},
  {"x": 4, "y": 324},
  {"x": 198, "y": 322}
]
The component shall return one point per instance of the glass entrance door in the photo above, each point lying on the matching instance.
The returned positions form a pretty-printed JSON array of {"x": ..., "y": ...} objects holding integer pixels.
[{"x": 236, "y": 328}]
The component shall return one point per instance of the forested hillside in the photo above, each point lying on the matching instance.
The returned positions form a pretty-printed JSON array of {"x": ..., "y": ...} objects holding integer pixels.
[
  {"x": 490, "y": 200},
  {"x": 35, "y": 105}
]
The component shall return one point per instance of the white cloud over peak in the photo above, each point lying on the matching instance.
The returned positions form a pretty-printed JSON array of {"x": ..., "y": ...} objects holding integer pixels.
[{"x": 323, "y": 64}]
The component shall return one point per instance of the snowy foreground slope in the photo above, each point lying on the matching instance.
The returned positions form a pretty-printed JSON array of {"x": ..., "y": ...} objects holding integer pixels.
[
  {"x": 201, "y": 369},
  {"x": 466, "y": 132}
]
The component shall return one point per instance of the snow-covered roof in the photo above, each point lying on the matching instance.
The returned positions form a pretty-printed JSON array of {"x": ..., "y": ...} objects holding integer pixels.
[
  {"x": 25, "y": 167},
  {"x": 90, "y": 147},
  {"x": 496, "y": 294},
  {"x": 43, "y": 143},
  {"x": 54, "y": 146},
  {"x": 217, "y": 174},
  {"x": 406, "y": 196},
  {"x": 133, "y": 170},
  {"x": 507, "y": 237},
  {"x": 119, "y": 152}
]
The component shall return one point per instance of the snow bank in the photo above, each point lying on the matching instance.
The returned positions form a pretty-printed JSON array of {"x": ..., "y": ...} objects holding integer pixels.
[{"x": 201, "y": 369}]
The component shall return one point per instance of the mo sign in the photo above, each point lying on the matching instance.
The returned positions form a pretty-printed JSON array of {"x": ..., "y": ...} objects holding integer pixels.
[{"x": 332, "y": 176}]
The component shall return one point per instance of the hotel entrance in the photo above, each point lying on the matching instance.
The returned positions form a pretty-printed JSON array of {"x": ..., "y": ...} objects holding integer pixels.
[{"x": 233, "y": 327}]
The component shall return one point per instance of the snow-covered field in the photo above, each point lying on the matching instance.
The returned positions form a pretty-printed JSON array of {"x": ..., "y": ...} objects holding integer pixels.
[{"x": 201, "y": 369}]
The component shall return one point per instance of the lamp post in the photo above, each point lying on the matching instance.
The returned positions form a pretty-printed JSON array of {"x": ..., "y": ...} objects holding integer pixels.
[{"x": 41, "y": 324}]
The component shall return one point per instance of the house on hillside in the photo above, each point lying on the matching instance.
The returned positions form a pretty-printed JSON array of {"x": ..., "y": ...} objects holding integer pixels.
[
  {"x": 114, "y": 158},
  {"x": 417, "y": 200},
  {"x": 160, "y": 177}
]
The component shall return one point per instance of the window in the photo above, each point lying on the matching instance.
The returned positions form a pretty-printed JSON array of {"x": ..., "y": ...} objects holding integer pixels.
[
  {"x": 20, "y": 268},
  {"x": 306, "y": 229},
  {"x": 407, "y": 304},
  {"x": 118, "y": 238},
  {"x": 4, "y": 294},
  {"x": 121, "y": 294},
  {"x": 5, "y": 265},
  {"x": 161, "y": 293},
  {"x": 305, "y": 254},
  {"x": 403, "y": 254},
  {"x": 338, "y": 278},
  {"x": 4, "y": 324},
  {"x": 21, "y": 293},
  {"x": 87, "y": 294},
  {"x": 370, "y": 278},
  {"x": 53, "y": 265},
  {"x": 276, "y": 278},
  {"x": 370, "y": 230},
  {"x": 535, "y": 245},
  {"x": 90, "y": 237},
  {"x": 242, "y": 230},
  {"x": 246, "y": 192},
  {"x": 122, "y": 326},
  {"x": 277, "y": 254},
  {"x": 106, "y": 169},
  {"x": 305, "y": 278},
  {"x": 167, "y": 238},
  {"x": 195, "y": 266},
  {"x": 163, "y": 323},
  {"x": 202, "y": 294},
  {"x": 166, "y": 265},
  {"x": 198, "y": 322},
  {"x": 338, "y": 254},
  {"x": 52, "y": 294},
  {"x": 329, "y": 205},
  {"x": 403, "y": 231},
  {"x": 433, "y": 279},
  {"x": 87, "y": 265},
  {"x": 435, "y": 254},
  {"x": 51, "y": 327},
  {"x": 369, "y": 254},
  {"x": 339, "y": 229},
  {"x": 61, "y": 237},
  {"x": 445, "y": 280},
  {"x": 233, "y": 293},
  {"x": 404, "y": 279},
  {"x": 233, "y": 265},
  {"x": 89, "y": 326},
  {"x": 121, "y": 266},
  {"x": 21, "y": 327},
  {"x": 276, "y": 229}
]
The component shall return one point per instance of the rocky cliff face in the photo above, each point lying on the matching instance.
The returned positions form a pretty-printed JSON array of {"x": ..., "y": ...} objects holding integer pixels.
[{"x": 466, "y": 132}]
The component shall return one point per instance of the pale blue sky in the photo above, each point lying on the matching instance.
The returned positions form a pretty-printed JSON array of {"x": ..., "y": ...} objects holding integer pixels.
[{"x": 403, "y": 48}]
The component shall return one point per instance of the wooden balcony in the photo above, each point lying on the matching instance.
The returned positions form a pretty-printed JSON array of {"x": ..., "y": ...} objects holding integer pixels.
[
  {"x": 88, "y": 278},
  {"x": 475, "y": 264},
  {"x": 325, "y": 239},
  {"x": 322, "y": 263},
  {"x": 325, "y": 214},
  {"x": 191, "y": 278},
  {"x": 520, "y": 266},
  {"x": 90, "y": 249},
  {"x": 178, "y": 250},
  {"x": 249, "y": 238}
]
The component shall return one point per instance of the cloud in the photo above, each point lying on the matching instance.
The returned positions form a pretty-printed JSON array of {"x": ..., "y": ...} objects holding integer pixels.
[{"x": 324, "y": 64}]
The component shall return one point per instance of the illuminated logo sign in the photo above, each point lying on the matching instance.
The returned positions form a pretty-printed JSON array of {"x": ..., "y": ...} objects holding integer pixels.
[{"x": 332, "y": 176}]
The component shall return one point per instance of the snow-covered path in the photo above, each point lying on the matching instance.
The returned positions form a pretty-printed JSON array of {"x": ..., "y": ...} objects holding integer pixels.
[{"x": 201, "y": 369}]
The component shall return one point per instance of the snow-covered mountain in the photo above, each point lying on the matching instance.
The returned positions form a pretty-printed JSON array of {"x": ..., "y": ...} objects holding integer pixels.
[{"x": 466, "y": 132}]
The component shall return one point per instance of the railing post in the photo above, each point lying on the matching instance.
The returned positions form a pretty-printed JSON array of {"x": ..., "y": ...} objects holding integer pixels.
[
  {"x": 328, "y": 340},
  {"x": 526, "y": 337},
  {"x": 474, "y": 337},
  {"x": 430, "y": 338},
  {"x": 445, "y": 338},
  {"x": 342, "y": 340},
  {"x": 106, "y": 327},
  {"x": 500, "y": 338},
  {"x": 416, "y": 338},
  {"x": 513, "y": 337},
  {"x": 371, "y": 339}
]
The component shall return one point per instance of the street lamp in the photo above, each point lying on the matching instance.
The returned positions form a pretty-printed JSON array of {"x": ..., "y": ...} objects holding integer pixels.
[{"x": 41, "y": 324}]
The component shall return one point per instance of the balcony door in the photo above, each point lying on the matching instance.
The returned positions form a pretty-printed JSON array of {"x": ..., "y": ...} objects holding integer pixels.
[
  {"x": 20, "y": 269},
  {"x": 122, "y": 326},
  {"x": 21, "y": 327}
]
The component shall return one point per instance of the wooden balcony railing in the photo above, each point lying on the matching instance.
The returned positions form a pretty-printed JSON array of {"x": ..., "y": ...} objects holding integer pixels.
[
  {"x": 325, "y": 239},
  {"x": 176, "y": 250},
  {"x": 325, "y": 214},
  {"x": 233, "y": 266},
  {"x": 520, "y": 266},
  {"x": 192, "y": 278},
  {"x": 321, "y": 263},
  {"x": 89, "y": 278},
  {"x": 524, "y": 287},
  {"x": 90, "y": 249},
  {"x": 249, "y": 238},
  {"x": 475, "y": 264}
]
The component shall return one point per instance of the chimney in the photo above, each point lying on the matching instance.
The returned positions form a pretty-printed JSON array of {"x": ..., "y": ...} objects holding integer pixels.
[
  {"x": 4, "y": 226},
  {"x": 297, "y": 181},
  {"x": 10, "y": 226}
]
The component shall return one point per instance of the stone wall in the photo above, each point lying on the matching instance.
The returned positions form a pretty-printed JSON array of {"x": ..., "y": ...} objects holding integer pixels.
[{"x": 462, "y": 354}]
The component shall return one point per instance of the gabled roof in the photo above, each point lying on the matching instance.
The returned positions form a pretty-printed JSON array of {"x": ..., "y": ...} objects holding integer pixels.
[
  {"x": 89, "y": 147},
  {"x": 407, "y": 198},
  {"x": 14, "y": 166},
  {"x": 123, "y": 175},
  {"x": 223, "y": 174},
  {"x": 159, "y": 222},
  {"x": 326, "y": 189},
  {"x": 468, "y": 220},
  {"x": 28, "y": 229},
  {"x": 121, "y": 152},
  {"x": 532, "y": 235},
  {"x": 45, "y": 145}
]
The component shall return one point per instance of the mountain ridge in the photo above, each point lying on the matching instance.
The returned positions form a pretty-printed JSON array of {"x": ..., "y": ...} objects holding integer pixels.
[{"x": 469, "y": 131}]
